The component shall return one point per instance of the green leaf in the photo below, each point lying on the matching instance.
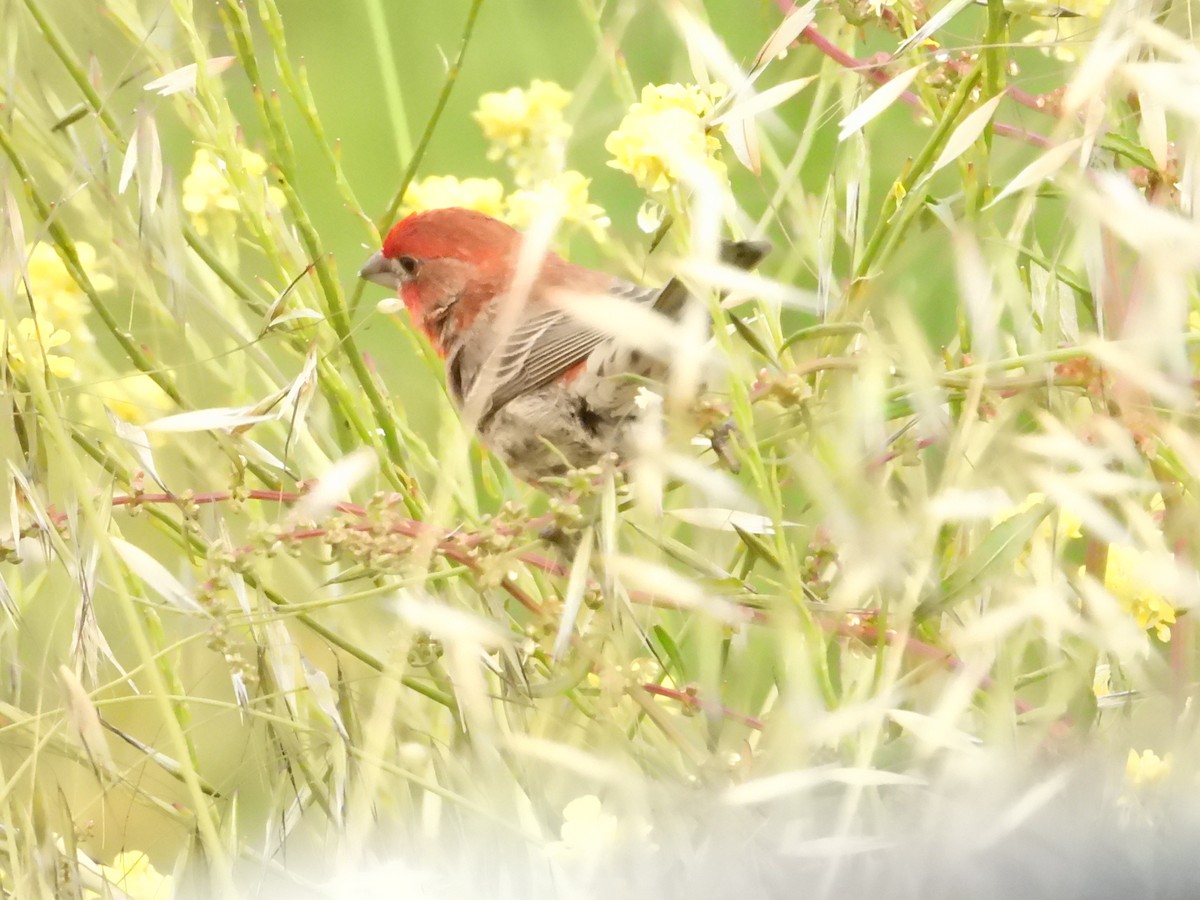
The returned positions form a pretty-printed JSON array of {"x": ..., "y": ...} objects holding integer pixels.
[
  {"x": 813, "y": 332},
  {"x": 671, "y": 650},
  {"x": 995, "y": 554},
  {"x": 1123, "y": 146},
  {"x": 681, "y": 552},
  {"x": 757, "y": 546},
  {"x": 1083, "y": 708},
  {"x": 833, "y": 663},
  {"x": 1068, "y": 277},
  {"x": 747, "y": 334}
]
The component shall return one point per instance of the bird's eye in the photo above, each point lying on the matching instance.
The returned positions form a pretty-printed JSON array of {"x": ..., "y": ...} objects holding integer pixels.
[{"x": 408, "y": 265}]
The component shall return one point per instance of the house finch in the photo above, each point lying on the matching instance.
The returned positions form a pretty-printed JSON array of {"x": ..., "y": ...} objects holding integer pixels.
[{"x": 545, "y": 392}]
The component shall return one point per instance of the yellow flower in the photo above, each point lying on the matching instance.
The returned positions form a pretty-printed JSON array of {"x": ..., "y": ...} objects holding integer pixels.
[
  {"x": 1067, "y": 34},
  {"x": 439, "y": 191},
  {"x": 136, "y": 399},
  {"x": 206, "y": 185},
  {"x": 212, "y": 200},
  {"x": 30, "y": 334},
  {"x": 1123, "y": 579},
  {"x": 132, "y": 873},
  {"x": 564, "y": 196},
  {"x": 516, "y": 116},
  {"x": 58, "y": 297},
  {"x": 526, "y": 127},
  {"x": 1146, "y": 769},
  {"x": 587, "y": 830},
  {"x": 663, "y": 138}
]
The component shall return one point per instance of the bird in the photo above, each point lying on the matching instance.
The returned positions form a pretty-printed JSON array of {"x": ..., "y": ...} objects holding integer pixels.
[{"x": 544, "y": 391}]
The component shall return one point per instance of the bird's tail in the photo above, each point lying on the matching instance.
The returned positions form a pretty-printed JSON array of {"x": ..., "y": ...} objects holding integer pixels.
[
  {"x": 741, "y": 254},
  {"x": 744, "y": 254}
]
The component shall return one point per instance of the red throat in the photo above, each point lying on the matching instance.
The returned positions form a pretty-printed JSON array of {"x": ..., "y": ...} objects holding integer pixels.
[{"x": 410, "y": 294}]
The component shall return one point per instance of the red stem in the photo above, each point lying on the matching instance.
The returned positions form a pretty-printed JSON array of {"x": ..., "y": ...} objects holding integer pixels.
[
  {"x": 456, "y": 550},
  {"x": 872, "y": 633},
  {"x": 689, "y": 698},
  {"x": 876, "y": 73}
]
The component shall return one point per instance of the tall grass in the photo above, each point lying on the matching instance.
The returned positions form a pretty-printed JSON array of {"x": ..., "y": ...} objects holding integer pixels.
[{"x": 271, "y": 616}]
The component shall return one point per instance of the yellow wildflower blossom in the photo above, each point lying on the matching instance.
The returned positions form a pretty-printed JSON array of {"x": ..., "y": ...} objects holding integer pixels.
[
  {"x": 55, "y": 292},
  {"x": 439, "y": 191},
  {"x": 565, "y": 196},
  {"x": 211, "y": 199},
  {"x": 48, "y": 337},
  {"x": 663, "y": 139},
  {"x": 587, "y": 830},
  {"x": 1123, "y": 579},
  {"x": 132, "y": 873},
  {"x": 526, "y": 127},
  {"x": 1067, "y": 35},
  {"x": 136, "y": 399},
  {"x": 1146, "y": 768}
]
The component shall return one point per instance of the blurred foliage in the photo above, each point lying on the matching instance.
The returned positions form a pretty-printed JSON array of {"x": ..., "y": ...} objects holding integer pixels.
[{"x": 965, "y": 514}]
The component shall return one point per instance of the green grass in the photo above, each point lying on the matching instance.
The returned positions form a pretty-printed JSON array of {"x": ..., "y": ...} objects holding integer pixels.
[{"x": 965, "y": 444}]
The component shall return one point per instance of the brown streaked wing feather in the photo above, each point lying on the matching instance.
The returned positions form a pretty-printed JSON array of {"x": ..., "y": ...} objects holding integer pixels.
[{"x": 540, "y": 350}]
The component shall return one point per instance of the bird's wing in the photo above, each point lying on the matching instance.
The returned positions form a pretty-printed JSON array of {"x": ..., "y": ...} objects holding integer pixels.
[
  {"x": 551, "y": 342},
  {"x": 542, "y": 348}
]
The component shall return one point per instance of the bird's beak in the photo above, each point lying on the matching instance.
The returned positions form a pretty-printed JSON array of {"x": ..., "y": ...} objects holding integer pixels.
[{"x": 381, "y": 270}]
